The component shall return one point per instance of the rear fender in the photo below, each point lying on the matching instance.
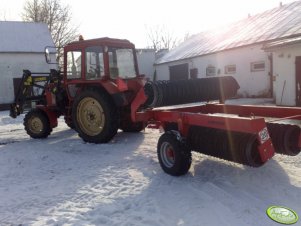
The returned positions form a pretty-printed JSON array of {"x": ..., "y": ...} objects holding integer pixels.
[{"x": 118, "y": 96}]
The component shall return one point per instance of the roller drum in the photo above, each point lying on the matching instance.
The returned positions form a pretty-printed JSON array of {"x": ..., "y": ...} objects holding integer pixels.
[
  {"x": 232, "y": 146},
  {"x": 285, "y": 138},
  {"x": 166, "y": 93}
]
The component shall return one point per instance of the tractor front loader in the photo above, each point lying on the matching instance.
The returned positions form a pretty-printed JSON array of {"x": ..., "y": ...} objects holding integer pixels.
[{"x": 42, "y": 95}]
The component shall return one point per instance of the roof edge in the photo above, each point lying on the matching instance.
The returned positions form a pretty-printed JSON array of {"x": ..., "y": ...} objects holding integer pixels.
[{"x": 233, "y": 48}]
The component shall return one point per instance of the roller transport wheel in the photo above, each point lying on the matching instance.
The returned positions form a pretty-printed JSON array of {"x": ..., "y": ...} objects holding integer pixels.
[
  {"x": 174, "y": 156},
  {"x": 37, "y": 124},
  {"x": 171, "y": 126},
  {"x": 95, "y": 116}
]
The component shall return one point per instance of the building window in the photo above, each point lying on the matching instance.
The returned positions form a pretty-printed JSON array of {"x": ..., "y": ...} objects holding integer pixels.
[
  {"x": 210, "y": 71},
  {"x": 230, "y": 69},
  {"x": 258, "y": 66}
]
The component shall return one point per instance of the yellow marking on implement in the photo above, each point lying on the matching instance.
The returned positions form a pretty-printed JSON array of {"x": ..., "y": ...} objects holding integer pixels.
[
  {"x": 40, "y": 79},
  {"x": 28, "y": 81}
]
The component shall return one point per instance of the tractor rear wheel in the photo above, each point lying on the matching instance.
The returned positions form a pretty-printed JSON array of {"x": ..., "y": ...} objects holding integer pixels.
[
  {"x": 95, "y": 116},
  {"x": 132, "y": 127},
  {"x": 37, "y": 124},
  {"x": 174, "y": 156},
  {"x": 69, "y": 123}
]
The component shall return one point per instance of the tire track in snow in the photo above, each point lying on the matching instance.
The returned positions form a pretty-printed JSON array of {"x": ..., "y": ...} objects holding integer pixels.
[
  {"x": 236, "y": 202},
  {"x": 90, "y": 203}
]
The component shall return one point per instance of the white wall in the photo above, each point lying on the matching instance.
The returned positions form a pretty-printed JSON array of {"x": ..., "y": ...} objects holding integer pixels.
[
  {"x": 12, "y": 66},
  {"x": 146, "y": 60},
  {"x": 251, "y": 83},
  {"x": 284, "y": 74}
]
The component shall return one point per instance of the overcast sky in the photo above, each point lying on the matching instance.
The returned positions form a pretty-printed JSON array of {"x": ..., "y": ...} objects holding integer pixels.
[{"x": 129, "y": 19}]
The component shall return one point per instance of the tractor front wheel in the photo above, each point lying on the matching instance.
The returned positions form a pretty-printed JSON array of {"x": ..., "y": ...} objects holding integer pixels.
[
  {"x": 174, "y": 156},
  {"x": 95, "y": 116},
  {"x": 37, "y": 124}
]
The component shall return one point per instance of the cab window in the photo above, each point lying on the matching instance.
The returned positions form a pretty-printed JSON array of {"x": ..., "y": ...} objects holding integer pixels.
[
  {"x": 74, "y": 64},
  {"x": 94, "y": 63},
  {"x": 121, "y": 63}
]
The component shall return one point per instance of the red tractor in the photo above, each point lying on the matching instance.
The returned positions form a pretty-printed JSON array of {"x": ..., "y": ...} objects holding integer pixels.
[
  {"x": 101, "y": 91},
  {"x": 99, "y": 81}
]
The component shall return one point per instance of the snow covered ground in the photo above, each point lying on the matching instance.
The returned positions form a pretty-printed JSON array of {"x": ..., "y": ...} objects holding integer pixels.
[{"x": 63, "y": 181}]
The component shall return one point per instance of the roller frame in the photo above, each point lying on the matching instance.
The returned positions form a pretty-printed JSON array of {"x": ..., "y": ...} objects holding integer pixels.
[{"x": 244, "y": 118}]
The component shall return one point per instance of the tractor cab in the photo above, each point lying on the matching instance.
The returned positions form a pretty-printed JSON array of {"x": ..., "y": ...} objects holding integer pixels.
[
  {"x": 104, "y": 62},
  {"x": 100, "y": 59}
]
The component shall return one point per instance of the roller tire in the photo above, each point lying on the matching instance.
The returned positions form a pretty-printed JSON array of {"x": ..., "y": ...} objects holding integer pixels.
[
  {"x": 251, "y": 154},
  {"x": 36, "y": 124},
  {"x": 180, "y": 160},
  {"x": 90, "y": 108},
  {"x": 291, "y": 140}
]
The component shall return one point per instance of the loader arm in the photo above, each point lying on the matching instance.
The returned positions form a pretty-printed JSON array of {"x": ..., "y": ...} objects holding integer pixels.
[{"x": 32, "y": 88}]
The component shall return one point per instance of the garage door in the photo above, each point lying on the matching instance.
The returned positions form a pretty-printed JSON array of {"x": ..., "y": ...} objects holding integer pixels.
[{"x": 178, "y": 72}]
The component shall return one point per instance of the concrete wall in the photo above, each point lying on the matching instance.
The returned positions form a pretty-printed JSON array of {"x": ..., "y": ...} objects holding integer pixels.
[
  {"x": 284, "y": 75},
  {"x": 252, "y": 83},
  {"x": 146, "y": 60},
  {"x": 12, "y": 66}
]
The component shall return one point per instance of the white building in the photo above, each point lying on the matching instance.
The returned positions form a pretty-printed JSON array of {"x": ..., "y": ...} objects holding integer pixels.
[
  {"x": 286, "y": 71},
  {"x": 22, "y": 47},
  {"x": 238, "y": 50}
]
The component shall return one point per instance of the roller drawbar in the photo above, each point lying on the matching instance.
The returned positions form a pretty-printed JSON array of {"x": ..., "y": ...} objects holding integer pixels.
[{"x": 166, "y": 93}]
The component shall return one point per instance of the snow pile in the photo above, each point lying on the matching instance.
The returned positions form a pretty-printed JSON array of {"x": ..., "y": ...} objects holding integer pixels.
[{"x": 63, "y": 181}]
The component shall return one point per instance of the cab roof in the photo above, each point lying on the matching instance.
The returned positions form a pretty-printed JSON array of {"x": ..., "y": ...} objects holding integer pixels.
[{"x": 123, "y": 43}]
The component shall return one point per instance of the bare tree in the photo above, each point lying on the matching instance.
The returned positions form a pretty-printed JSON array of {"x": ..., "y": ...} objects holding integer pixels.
[
  {"x": 187, "y": 36},
  {"x": 3, "y": 15},
  {"x": 58, "y": 18},
  {"x": 160, "y": 37}
]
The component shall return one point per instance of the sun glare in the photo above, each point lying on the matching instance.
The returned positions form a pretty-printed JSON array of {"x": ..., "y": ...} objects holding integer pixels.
[{"x": 129, "y": 19}]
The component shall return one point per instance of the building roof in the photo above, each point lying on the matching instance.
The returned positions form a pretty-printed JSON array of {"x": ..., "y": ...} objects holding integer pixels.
[
  {"x": 24, "y": 37},
  {"x": 278, "y": 23},
  {"x": 283, "y": 42}
]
